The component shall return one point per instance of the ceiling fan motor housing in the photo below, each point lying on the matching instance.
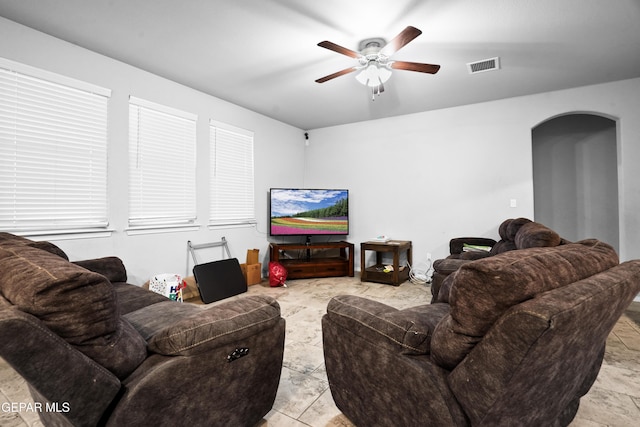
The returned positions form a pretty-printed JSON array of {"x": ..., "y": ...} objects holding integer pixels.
[
  {"x": 370, "y": 51},
  {"x": 376, "y": 42}
]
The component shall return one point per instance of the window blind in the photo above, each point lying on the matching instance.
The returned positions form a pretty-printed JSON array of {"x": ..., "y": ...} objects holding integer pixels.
[
  {"x": 231, "y": 179},
  {"x": 162, "y": 144},
  {"x": 53, "y": 152}
]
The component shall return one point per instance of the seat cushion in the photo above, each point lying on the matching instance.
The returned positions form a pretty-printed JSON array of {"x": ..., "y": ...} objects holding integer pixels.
[
  {"x": 78, "y": 305},
  {"x": 483, "y": 290},
  {"x": 132, "y": 298}
]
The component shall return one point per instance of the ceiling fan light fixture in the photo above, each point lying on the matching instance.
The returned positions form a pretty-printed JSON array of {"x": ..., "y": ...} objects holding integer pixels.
[{"x": 373, "y": 75}]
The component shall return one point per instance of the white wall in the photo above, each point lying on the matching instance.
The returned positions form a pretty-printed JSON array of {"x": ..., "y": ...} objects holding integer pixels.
[
  {"x": 279, "y": 150},
  {"x": 430, "y": 176}
]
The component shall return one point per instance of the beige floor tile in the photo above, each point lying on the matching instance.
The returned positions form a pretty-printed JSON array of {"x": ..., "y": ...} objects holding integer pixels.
[
  {"x": 608, "y": 408},
  {"x": 619, "y": 380},
  {"x": 323, "y": 413},
  {"x": 297, "y": 392},
  {"x": 579, "y": 422},
  {"x": 278, "y": 419},
  {"x": 302, "y": 357}
]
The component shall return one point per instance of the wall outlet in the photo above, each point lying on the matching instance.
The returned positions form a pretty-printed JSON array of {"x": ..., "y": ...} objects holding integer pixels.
[{"x": 513, "y": 203}]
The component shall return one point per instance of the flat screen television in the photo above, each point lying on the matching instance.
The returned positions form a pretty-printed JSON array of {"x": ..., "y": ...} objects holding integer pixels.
[{"x": 308, "y": 212}]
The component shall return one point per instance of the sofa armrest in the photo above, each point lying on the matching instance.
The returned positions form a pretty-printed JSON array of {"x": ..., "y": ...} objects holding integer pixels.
[
  {"x": 456, "y": 244},
  {"x": 218, "y": 364},
  {"x": 184, "y": 329},
  {"x": 407, "y": 330},
  {"x": 110, "y": 267}
]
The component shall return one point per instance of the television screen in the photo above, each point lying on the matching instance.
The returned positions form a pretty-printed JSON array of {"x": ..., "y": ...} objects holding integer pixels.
[{"x": 308, "y": 212}]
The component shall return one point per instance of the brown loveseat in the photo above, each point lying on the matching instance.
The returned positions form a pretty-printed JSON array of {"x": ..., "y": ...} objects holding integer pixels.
[
  {"x": 519, "y": 341},
  {"x": 95, "y": 350},
  {"x": 515, "y": 233}
]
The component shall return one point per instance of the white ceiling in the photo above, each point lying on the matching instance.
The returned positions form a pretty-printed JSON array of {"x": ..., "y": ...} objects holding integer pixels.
[{"x": 263, "y": 54}]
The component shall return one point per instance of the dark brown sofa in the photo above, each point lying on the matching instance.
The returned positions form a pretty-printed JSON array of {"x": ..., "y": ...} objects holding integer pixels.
[
  {"x": 515, "y": 233},
  {"x": 95, "y": 350},
  {"x": 519, "y": 341}
]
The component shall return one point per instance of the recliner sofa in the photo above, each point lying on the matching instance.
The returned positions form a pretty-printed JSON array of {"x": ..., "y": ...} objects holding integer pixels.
[
  {"x": 517, "y": 340},
  {"x": 515, "y": 233},
  {"x": 95, "y": 350}
]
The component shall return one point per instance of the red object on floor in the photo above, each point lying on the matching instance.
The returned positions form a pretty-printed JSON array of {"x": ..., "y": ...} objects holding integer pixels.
[{"x": 277, "y": 274}]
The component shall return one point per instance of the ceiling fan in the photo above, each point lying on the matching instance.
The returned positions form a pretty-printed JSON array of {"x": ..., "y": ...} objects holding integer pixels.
[{"x": 373, "y": 60}]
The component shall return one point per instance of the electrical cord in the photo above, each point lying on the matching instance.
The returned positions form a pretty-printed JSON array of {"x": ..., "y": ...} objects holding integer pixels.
[{"x": 421, "y": 273}]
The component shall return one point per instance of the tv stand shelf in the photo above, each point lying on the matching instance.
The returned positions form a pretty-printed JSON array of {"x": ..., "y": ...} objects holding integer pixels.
[{"x": 308, "y": 265}]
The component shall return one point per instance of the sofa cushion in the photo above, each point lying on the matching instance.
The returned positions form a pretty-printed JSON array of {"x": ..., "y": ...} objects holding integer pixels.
[
  {"x": 11, "y": 239},
  {"x": 448, "y": 265},
  {"x": 76, "y": 304},
  {"x": 445, "y": 288},
  {"x": 483, "y": 290},
  {"x": 110, "y": 267},
  {"x": 502, "y": 228},
  {"x": 536, "y": 235},
  {"x": 49, "y": 247},
  {"x": 513, "y": 226},
  {"x": 132, "y": 298},
  {"x": 502, "y": 246},
  {"x": 8, "y": 239}
]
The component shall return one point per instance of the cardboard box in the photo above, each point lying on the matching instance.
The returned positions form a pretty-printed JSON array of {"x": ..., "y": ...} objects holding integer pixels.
[
  {"x": 252, "y": 256},
  {"x": 191, "y": 291},
  {"x": 252, "y": 273}
]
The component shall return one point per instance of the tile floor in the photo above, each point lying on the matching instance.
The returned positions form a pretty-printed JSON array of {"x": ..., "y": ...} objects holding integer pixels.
[{"x": 304, "y": 398}]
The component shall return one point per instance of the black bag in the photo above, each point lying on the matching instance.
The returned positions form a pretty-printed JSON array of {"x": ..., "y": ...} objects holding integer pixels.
[{"x": 219, "y": 280}]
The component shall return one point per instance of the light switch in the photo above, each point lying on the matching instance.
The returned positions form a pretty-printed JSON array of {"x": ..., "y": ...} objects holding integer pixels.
[{"x": 513, "y": 203}]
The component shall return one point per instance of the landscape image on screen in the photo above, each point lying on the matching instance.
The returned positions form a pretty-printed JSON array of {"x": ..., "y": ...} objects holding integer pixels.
[{"x": 309, "y": 212}]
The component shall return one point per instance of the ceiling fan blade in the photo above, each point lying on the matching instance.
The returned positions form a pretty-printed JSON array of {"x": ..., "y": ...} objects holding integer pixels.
[
  {"x": 401, "y": 40},
  {"x": 337, "y": 48},
  {"x": 415, "y": 66},
  {"x": 337, "y": 74}
]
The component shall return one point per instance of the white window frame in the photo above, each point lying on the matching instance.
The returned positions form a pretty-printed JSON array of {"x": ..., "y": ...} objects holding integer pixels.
[
  {"x": 162, "y": 162},
  {"x": 231, "y": 182},
  {"x": 53, "y": 153}
]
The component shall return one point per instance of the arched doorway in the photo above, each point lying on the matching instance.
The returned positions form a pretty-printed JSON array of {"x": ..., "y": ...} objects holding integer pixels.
[{"x": 575, "y": 177}]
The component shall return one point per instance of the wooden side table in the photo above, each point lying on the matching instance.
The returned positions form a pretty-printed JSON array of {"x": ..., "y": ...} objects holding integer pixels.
[{"x": 376, "y": 273}]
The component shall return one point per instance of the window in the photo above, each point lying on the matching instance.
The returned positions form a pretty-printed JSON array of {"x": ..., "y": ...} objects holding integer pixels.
[
  {"x": 53, "y": 152},
  {"x": 231, "y": 182},
  {"x": 162, "y": 143}
]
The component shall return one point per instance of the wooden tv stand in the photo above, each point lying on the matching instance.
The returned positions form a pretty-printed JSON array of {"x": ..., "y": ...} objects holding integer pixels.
[{"x": 304, "y": 264}]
